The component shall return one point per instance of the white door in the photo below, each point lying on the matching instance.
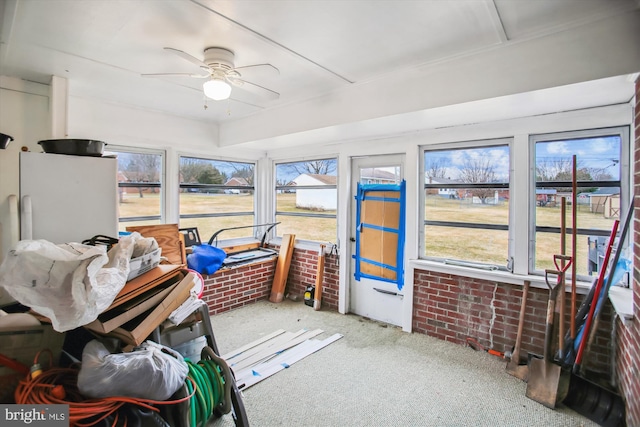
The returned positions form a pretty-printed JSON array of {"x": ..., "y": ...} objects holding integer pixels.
[{"x": 375, "y": 298}]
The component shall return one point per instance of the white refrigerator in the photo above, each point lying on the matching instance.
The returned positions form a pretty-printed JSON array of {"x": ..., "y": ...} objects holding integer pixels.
[{"x": 67, "y": 198}]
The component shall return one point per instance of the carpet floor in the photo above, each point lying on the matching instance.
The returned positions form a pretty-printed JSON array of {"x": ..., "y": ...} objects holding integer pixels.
[{"x": 377, "y": 375}]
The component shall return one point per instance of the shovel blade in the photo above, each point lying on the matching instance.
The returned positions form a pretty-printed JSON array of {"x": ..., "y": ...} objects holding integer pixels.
[
  {"x": 544, "y": 382},
  {"x": 517, "y": 370}
]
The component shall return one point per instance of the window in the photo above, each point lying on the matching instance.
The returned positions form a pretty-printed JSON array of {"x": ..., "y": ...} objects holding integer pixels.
[
  {"x": 140, "y": 186},
  {"x": 602, "y": 175},
  {"x": 216, "y": 195},
  {"x": 466, "y": 204},
  {"x": 306, "y": 199}
]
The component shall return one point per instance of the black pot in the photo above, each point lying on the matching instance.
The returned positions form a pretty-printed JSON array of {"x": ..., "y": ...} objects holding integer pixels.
[
  {"x": 75, "y": 147},
  {"x": 5, "y": 140}
]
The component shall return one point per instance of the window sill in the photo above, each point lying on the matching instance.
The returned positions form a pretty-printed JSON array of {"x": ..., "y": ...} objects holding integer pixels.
[
  {"x": 582, "y": 288},
  {"x": 622, "y": 301},
  {"x": 308, "y": 245}
]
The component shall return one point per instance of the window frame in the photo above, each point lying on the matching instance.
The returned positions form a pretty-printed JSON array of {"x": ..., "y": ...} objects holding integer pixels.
[
  {"x": 623, "y": 183},
  {"x": 461, "y": 145},
  {"x": 277, "y": 187},
  {"x": 162, "y": 185},
  {"x": 220, "y": 187}
]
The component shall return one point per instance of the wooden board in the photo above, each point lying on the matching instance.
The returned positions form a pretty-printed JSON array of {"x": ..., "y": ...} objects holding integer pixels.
[
  {"x": 239, "y": 248},
  {"x": 145, "y": 282},
  {"x": 317, "y": 295},
  {"x": 169, "y": 238},
  {"x": 282, "y": 268},
  {"x": 111, "y": 319},
  {"x": 135, "y": 331}
]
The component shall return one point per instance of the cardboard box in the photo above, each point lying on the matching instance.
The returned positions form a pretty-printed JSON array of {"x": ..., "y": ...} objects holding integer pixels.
[
  {"x": 135, "y": 331},
  {"x": 144, "y": 263}
]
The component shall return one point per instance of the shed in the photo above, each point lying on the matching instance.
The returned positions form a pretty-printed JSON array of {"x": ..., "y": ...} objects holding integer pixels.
[{"x": 320, "y": 199}]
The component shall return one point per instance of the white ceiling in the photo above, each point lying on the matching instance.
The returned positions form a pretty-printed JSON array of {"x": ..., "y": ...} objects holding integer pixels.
[{"x": 340, "y": 62}]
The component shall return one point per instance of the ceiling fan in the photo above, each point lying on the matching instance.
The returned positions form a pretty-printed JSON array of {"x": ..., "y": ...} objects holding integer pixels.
[{"x": 221, "y": 74}]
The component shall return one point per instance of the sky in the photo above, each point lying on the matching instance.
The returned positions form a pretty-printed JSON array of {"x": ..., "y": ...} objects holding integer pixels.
[{"x": 595, "y": 153}]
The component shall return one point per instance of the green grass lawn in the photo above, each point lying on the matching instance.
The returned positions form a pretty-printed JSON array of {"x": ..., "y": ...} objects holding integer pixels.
[{"x": 468, "y": 244}]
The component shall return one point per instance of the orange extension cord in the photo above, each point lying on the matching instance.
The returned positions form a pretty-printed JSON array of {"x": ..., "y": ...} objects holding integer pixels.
[
  {"x": 474, "y": 344},
  {"x": 59, "y": 386}
]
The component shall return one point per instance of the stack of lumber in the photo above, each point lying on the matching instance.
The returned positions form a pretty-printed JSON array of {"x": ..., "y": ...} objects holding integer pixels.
[
  {"x": 144, "y": 303},
  {"x": 264, "y": 357}
]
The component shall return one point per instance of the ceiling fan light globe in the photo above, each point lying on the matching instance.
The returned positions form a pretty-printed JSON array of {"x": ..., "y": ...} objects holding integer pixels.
[{"x": 217, "y": 89}]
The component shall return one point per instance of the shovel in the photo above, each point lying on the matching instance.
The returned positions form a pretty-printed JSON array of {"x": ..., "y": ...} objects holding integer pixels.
[
  {"x": 514, "y": 367},
  {"x": 546, "y": 383}
]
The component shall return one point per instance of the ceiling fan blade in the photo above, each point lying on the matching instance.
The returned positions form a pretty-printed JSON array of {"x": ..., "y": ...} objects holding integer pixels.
[
  {"x": 196, "y": 76},
  {"x": 267, "y": 67},
  {"x": 255, "y": 89},
  {"x": 188, "y": 57}
]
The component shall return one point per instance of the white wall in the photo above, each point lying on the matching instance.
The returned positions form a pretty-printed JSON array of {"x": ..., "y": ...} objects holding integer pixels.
[{"x": 24, "y": 114}]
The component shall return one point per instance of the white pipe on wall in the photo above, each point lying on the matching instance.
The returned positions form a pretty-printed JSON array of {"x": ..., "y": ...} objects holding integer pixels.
[
  {"x": 27, "y": 218},
  {"x": 14, "y": 221}
]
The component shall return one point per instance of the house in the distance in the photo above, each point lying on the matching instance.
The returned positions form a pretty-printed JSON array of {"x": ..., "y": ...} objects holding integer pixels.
[
  {"x": 317, "y": 199},
  {"x": 377, "y": 176},
  {"x": 449, "y": 193},
  {"x": 235, "y": 181}
]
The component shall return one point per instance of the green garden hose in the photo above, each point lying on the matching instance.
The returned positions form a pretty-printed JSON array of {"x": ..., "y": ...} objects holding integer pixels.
[{"x": 212, "y": 379}]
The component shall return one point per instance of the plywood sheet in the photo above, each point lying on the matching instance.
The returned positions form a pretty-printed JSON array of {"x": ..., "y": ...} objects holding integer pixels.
[
  {"x": 380, "y": 247},
  {"x": 379, "y": 233},
  {"x": 169, "y": 238}
]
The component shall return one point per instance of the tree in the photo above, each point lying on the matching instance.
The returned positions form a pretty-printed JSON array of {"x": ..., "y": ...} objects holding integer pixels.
[
  {"x": 143, "y": 168},
  {"x": 436, "y": 168},
  {"x": 316, "y": 167},
  {"x": 210, "y": 175},
  {"x": 242, "y": 170},
  {"x": 479, "y": 170},
  {"x": 561, "y": 169},
  {"x": 200, "y": 171}
]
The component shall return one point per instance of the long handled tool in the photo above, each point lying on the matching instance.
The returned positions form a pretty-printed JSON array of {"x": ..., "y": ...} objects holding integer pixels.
[
  {"x": 546, "y": 385},
  {"x": 563, "y": 250},
  {"x": 614, "y": 276},
  {"x": 587, "y": 325},
  {"x": 574, "y": 239},
  {"x": 514, "y": 367},
  {"x": 317, "y": 295}
]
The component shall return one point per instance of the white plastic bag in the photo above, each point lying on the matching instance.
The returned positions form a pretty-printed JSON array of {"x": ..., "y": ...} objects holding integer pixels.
[
  {"x": 71, "y": 283},
  {"x": 152, "y": 371}
]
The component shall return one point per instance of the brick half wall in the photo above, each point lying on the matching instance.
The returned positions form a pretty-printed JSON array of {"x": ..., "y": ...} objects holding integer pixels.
[
  {"x": 454, "y": 308},
  {"x": 303, "y": 272},
  {"x": 227, "y": 289}
]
